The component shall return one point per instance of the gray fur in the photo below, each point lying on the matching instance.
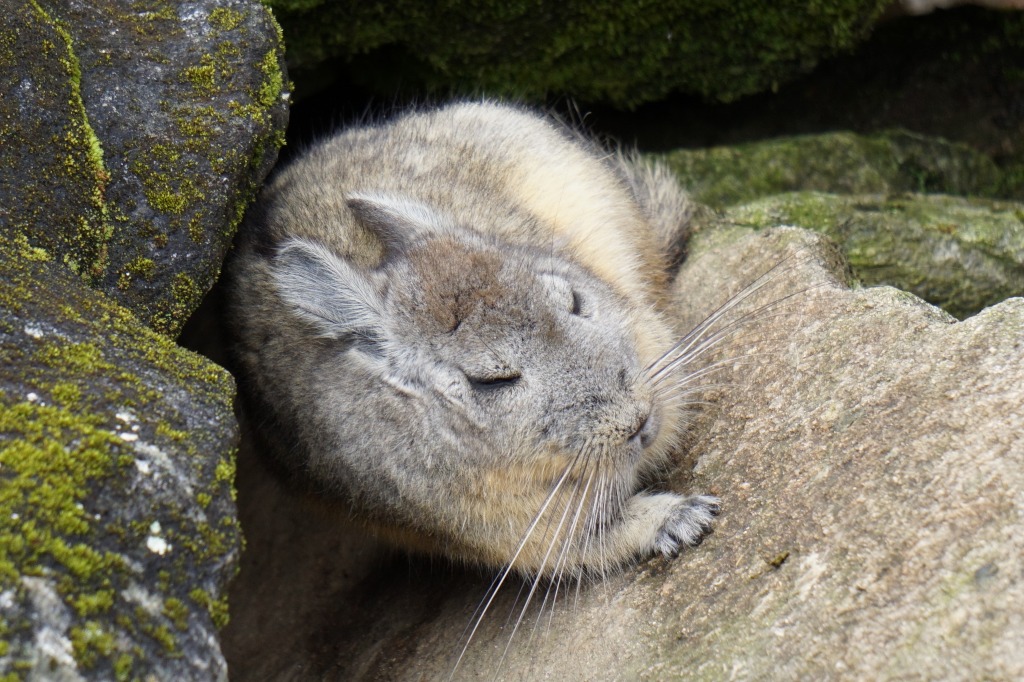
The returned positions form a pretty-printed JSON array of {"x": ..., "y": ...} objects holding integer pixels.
[{"x": 451, "y": 318}]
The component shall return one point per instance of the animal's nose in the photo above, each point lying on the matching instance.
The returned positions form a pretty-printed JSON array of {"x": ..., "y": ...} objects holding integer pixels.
[{"x": 645, "y": 429}]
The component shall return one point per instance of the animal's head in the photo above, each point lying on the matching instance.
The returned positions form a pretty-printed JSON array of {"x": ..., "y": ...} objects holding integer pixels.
[{"x": 465, "y": 364}]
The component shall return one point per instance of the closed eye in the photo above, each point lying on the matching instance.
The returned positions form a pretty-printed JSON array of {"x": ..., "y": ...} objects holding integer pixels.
[
  {"x": 494, "y": 382},
  {"x": 577, "y": 303}
]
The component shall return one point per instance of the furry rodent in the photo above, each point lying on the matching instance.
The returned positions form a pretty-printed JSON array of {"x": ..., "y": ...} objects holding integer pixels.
[{"x": 450, "y": 321}]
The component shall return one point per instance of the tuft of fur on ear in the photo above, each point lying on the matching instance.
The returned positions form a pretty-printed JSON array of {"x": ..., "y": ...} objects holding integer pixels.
[
  {"x": 336, "y": 298},
  {"x": 396, "y": 221}
]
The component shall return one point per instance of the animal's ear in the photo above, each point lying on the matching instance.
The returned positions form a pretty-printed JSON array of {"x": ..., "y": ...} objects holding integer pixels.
[
  {"x": 337, "y": 298},
  {"x": 398, "y": 222}
]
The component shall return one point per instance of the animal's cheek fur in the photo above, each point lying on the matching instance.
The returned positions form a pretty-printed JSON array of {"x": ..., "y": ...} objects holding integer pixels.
[{"x": 539, "y": 473}]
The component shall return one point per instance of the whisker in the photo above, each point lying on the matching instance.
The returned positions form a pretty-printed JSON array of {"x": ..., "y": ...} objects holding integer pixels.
[
  {"x": 710, "y": 368},
  {"x": 492, "y": 592},
  {"x": 590, "y": 531},
  {"x": 702, "y": 343},
  {"x": 698, "y": 332},
  {"x": 533, "y": 589},
  {"x": 567, "y": 543},
  {"x": 601, "y": 541}
]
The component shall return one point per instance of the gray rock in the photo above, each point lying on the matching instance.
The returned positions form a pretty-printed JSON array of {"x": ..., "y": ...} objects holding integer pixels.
[
  {"x": 869, "y": 452},
  {"x": 136, "y": 136},
  {"x": 959, "y": 254},
  {"x": 118, "y": 531}
]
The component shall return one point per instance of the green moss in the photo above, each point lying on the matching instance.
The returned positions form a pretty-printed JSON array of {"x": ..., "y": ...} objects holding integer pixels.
[
  {"x": 62, "y": 457},
  {"x": 843, "y": 163},
  {"x": 273, "y": 80},
  {"x": 217, "y": 608},
  {"x": 959, "y": 254},
  {"x": 93, "y": 143},
  {"x": 177, "y": 612},
  {"x": 90, "y": 642},
  {"x": 139, "y": 268},
  {"x": 205, "y": 541},
  {"x": 625, "y": 52},
  {"x": 197, "y": 124},
  {"x": 225, "y": 472},
  {"x": 96, "y": 602},
  {"x": 225, "y": 19},
  {"x": 28, "y": 252},
  {"x": 43, "y": 521},
  {"x": 167, "y": 201},
  {"x": 195, "y": 227},
  {"x": 162, "y": 635},
  {"x": 162, "y": 13},
  {"x": 165, "y": 431},
  {"x": 201, "y": 77},
  {"x": 66, "y": 394},
  {"x": 81, "y": 358},
  {"x": 123, "y": 668},
  {"x": 167, "y": 186},
  {"x": 175, "y": 180},
  {"x": 185, "y": 297},
  {"x": 227, "y": 51},
  {"x": 57, "y": 153},
  {"x": 204, "y": 499},
  {"x": 165, "y": 153}
]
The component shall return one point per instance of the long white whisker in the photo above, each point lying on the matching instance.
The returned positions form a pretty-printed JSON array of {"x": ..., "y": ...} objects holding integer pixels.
[
  {"x": 695, "y": 335},
  {"x": 567, "y": 543},
  {"x": 601, "y": 532},
  {"x": 591, "y": 526},
  {"x": 496, "y": 585},
  {"x": 693, "y": 350},
  {"x": 698, "y": 331},
  {"x": 533, "y": 588},
  {"x": 712, "y": 368}
]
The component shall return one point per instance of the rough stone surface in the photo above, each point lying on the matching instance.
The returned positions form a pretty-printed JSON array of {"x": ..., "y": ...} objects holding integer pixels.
[
  {"x": 133, "y": 136},
  {"x": 118, "y": 531},
  {"x": 869, "y": 453},
  {"x": 959, "y": 254},
  {"x": 839, "y": 163}
]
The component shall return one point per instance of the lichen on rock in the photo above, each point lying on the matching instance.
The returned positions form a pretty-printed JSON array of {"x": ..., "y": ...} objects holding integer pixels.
[
  {"x": 957, "y": 253},
  {"x": 109, "y": 436},
  {"x": 52, "y": 175},
  {"x": 840, "y": 163},
  {"x": 140, "y": 132}
]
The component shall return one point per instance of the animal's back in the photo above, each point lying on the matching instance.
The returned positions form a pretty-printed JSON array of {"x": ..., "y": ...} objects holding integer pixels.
[{"x": 496, "y": 168}]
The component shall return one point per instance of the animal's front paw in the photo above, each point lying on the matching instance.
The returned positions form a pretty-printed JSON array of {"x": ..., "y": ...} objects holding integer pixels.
[{"x": 688, "y": 522}]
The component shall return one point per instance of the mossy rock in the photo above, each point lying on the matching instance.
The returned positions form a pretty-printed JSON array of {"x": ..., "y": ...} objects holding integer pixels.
[
  {"x": 841, "y": 163},
  {"x": 118, "y": 530},
  {"x": 137, "y": 134},
  {"x": 52, "y": 175},
  {"x": 624, "y": 53},
  {"x": 957, "y": 253}
]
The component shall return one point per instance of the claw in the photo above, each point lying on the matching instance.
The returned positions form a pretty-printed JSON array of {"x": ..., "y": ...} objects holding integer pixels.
[{"x": 687, "y": 524}]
